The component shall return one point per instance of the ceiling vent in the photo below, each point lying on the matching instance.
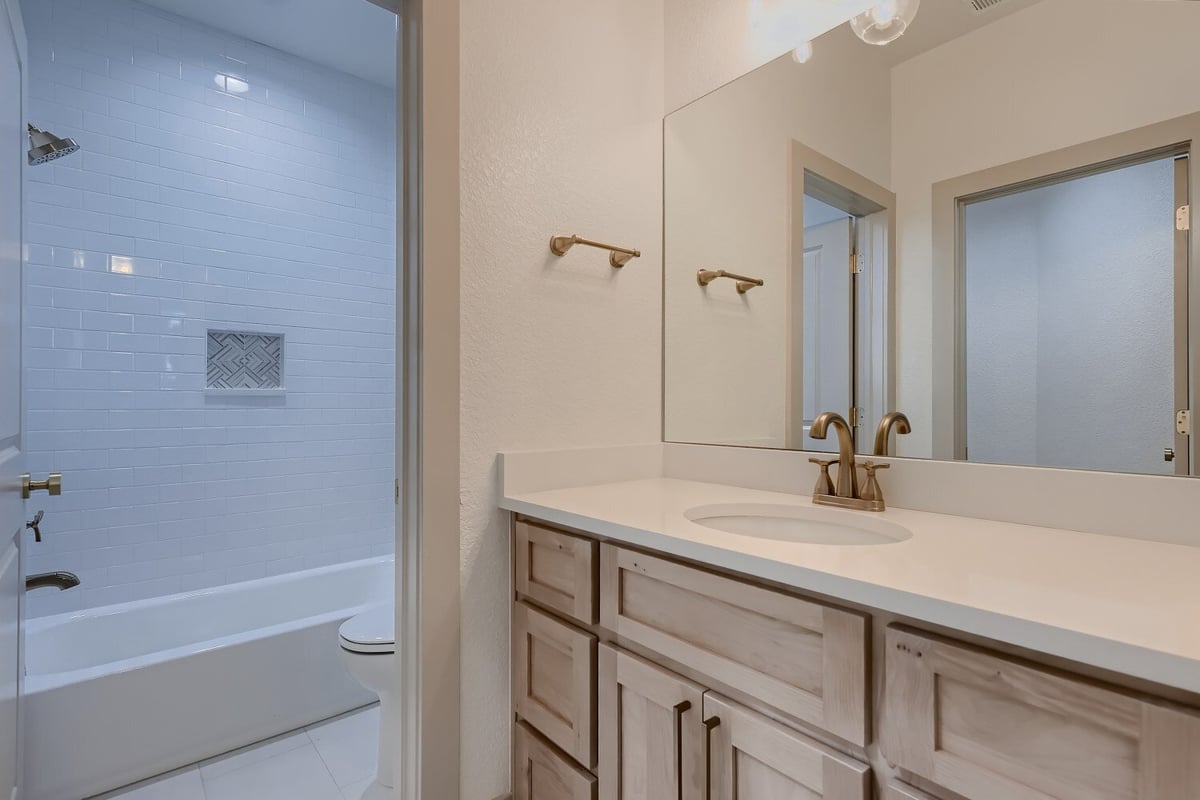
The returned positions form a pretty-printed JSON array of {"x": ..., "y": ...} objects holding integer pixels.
[{"x": 980, "y": 6}]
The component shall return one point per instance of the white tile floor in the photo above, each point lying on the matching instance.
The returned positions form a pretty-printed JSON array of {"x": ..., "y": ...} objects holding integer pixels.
[{"x": 331, "y": 760}]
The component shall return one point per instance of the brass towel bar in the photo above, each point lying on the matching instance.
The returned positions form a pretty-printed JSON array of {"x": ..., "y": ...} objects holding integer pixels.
[
  {"x": 744, "y": 284},
  {"x": 617, "y": 256}
]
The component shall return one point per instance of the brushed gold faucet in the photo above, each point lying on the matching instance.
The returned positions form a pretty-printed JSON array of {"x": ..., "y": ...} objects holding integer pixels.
[
  {"x": 846, "y": 492},
  {"x": 883, "y": 434}
]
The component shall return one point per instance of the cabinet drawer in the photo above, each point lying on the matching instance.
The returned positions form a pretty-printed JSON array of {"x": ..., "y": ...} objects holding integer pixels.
[
  {"x": 806, "y": 659},
  {"x": 543, "y": 773},
  {"x": 554, "y": 681},
  {"x": 557, "y": 570},
  {"x": 991, "y": 728},
  {"x": 752, "y": 757}
]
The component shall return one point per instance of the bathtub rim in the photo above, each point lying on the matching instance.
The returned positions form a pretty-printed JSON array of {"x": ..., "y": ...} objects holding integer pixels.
[{"x": 35, "y": 682}]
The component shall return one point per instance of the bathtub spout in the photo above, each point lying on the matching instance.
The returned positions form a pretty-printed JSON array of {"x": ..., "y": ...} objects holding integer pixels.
[{"x": 63, "y": 580}]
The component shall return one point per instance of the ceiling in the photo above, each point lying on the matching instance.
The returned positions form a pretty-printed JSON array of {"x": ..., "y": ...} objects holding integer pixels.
[
  {"x": 937, "y": 22},
  {"x": 354, "y": 36},
  {"x": 941, "y": 21}
]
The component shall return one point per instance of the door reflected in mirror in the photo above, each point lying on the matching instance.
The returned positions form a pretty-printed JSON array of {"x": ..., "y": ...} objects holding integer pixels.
[{"x": 984, "y": 225}]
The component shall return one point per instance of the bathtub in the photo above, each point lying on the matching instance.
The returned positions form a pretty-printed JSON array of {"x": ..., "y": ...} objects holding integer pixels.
[{"x": 120, "y": 693}]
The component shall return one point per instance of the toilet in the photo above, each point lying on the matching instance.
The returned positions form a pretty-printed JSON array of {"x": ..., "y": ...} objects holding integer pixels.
[{"x": 368, "y": 644}]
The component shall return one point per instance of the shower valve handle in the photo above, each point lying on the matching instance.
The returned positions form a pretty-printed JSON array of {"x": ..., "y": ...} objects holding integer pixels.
[
  {"x": 52, "y": 485},
  {"x": 35, "y": 526}
]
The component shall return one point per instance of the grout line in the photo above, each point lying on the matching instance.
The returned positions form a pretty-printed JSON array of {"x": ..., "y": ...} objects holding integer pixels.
[{"x": 321, "y": 756}]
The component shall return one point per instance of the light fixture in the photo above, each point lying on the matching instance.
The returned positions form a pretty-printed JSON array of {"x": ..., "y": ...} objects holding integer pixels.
[
  {"x": 803, "y": 53},
  {"x": 886, "y": 21}
]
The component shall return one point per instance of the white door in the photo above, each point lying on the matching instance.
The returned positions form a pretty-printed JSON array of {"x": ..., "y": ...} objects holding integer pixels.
[
  {"x": 12, "y": 507},
  {"x": 828, "y": 326}
]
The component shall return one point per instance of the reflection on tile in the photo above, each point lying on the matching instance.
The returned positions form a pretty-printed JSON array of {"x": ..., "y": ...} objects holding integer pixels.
[
  {"x": 216, "y": 767},
  {"x": 331, "y": 760},
  {"x": 349, "y": 745},
  {"x": 298, "y": 774},
  {"x": 357, "y": 791},
  {"x": 184, "y": 784}
]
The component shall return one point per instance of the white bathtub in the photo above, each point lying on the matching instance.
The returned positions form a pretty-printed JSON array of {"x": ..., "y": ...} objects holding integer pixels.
[{"x": 124, "y": 692}]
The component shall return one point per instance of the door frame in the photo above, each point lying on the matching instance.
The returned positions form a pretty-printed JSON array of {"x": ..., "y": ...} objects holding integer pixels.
[
  {"x": 1161, "y": 140},
  {"x": 427, "y": 425},
  {"x": 10, "y": 548},
  {"x": 862, "y": 198}
]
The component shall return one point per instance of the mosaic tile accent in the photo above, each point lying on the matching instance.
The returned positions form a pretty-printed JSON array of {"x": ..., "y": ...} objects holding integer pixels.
[{"x": 244, "y": 360}]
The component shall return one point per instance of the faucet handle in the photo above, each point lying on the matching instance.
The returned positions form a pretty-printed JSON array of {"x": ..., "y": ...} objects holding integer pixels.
[
  {"x": 873, "y": 491},
  {"x": 824, "y": 481}
]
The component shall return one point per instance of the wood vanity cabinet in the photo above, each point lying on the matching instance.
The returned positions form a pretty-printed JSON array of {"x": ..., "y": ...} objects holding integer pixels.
[
  {"x": 541, "y": 772},
  {"x": 557, "y": 570},
  {"x": 755, "y": 758},
  {"x": 664, "y": 737},
  {"x": 807, "y": 659},
  {"x": 554, "y": 681},
  {"x": 900, "y": 791},
  {"x": 584, "y": 703},
  {"x": 992, "y": 728},
  {"x": 601, "y": 631},
  {"x": 652, "y": 741}
]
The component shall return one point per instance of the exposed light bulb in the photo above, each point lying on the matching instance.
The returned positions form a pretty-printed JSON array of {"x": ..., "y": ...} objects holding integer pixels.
[
  {"x": 803, "y": 53},
  {"x": 886, "y": 21},
  {"x": 885, "y": 13}
]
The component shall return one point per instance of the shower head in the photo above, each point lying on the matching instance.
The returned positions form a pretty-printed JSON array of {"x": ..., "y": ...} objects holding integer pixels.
[{"x": 45, "y": 146}]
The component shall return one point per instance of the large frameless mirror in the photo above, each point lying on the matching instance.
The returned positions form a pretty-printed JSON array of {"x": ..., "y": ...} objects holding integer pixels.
[{"x": 977, "y": 234}]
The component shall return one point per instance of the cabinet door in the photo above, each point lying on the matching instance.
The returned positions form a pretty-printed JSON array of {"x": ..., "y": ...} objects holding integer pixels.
[
  {"x": 991, "y": 728},
  {"x": 754, "y": 758},
  {"x": 541, "y": 772},
  {"x": 902, "y": 791},
  {"x": 807, "y": 659},
  {"x": 554, "y": 681},
  {"x": 651, "y": 737}
]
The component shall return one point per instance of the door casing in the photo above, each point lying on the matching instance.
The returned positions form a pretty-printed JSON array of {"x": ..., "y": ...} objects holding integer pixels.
[
  {"x": 12, "y": 506},
  {"x": 874, "y": 210}
]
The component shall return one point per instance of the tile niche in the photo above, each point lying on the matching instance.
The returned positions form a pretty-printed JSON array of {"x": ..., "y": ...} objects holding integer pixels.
[{"x": 240, "y": 361}]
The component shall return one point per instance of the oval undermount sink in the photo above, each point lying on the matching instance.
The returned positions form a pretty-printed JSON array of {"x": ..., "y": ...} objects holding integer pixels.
[{"x": 800, "y": 524}]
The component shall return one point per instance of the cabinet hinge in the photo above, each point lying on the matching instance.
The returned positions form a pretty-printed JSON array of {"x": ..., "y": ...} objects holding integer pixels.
[
  {"x": 1183, "y": 422},
  {"x": 1183, "y": 218},
  {"x": 396, "y": 496},
  {"x": 857, "y": 264}
]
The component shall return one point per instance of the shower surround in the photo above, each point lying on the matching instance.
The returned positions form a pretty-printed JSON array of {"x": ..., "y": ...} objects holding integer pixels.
[{"x": 225, "y": 186}]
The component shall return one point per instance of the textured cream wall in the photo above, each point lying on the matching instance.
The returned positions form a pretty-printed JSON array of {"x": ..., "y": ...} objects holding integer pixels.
[{"x": 562, "y": 108}]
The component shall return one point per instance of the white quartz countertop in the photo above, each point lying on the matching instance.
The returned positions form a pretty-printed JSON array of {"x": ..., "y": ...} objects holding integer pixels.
[{"x": 1125, "y": 605}]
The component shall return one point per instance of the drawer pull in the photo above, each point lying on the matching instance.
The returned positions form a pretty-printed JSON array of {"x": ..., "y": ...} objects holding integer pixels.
[
  {"x": 709, "y": 724},
  {"x": 680, "y": 709}
]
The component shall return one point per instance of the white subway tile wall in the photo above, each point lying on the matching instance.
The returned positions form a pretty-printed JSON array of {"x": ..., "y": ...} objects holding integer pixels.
[{"x": 222, "y": 184}]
